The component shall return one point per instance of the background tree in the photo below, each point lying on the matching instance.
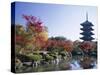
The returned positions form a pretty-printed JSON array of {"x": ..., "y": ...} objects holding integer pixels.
[
  {"x": 31, "y": 37},
  {"x": 37, "y": 31},
  {"x": 87, "y": 47}
]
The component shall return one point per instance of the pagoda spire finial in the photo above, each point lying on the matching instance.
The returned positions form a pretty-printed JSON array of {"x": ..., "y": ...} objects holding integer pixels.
[{"x": 86, "y": 16}]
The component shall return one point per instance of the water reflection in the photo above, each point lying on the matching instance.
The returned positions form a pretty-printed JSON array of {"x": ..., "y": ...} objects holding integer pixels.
[{"x": 74, "y": 64}]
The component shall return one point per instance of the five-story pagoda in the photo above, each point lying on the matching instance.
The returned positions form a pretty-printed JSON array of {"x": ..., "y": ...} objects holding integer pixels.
[{"x": 87, "y": 30}]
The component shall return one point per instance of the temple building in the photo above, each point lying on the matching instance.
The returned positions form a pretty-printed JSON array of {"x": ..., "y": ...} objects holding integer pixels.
[{"x": 87, "y": 30}]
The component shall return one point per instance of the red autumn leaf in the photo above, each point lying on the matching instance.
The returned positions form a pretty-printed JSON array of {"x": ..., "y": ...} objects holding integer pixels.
[
  {"x": 86, "y": 45},
  {"x": 26, "y": 17}
]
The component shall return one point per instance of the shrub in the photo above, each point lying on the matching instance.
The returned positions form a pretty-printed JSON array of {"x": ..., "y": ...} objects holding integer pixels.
[
  {"x": 48, "y": 57},
  {"x": 35, "y": 57}
]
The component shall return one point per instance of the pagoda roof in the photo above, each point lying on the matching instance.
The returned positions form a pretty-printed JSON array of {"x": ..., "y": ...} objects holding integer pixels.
[
  {"x": 87, "y": 23},
  {"x": 87, "y": 33},
  {"x": 87, "y": 29},
  {"x": 87, "y": 38}
]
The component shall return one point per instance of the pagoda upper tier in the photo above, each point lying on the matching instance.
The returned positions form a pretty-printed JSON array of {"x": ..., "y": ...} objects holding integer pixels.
[{"x": 87, "y": 23}]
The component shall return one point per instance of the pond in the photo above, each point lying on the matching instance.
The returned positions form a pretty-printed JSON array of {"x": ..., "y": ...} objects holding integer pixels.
[{"x": 73, "y": 64}]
